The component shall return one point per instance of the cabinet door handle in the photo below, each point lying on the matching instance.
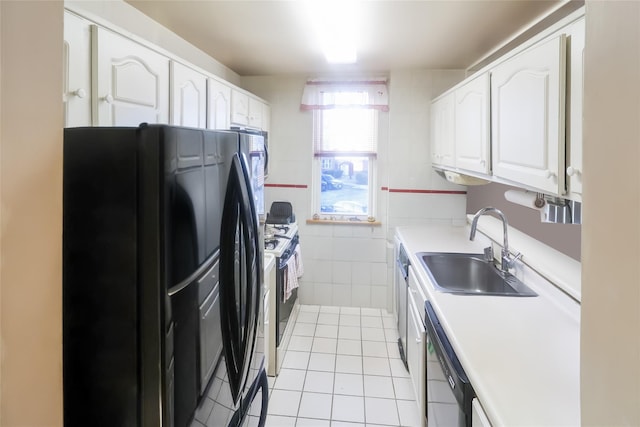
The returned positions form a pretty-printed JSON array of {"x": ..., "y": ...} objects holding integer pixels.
[
  {"x": 80, "y": 93},
  {"x": 549, "y": 174},
  {"x": 108, "y": 99}
]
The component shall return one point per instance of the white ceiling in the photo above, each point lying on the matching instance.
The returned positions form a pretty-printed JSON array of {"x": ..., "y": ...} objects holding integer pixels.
[{"x": 274, "y": 37}]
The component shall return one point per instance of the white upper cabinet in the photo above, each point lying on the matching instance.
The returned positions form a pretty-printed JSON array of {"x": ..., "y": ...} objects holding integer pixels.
[
  {"x": 443, "y": 130},
  {"x": 266, "y": 118},
  {"x": 575, "y": 68},
  {"x": 239, "y": 108},
  {"x": 131, "y": 82},
  {"x": 255, "y": 113},
  {"x": 472, "y": 125},
  {"x": 188, "y": 96},
  {"x": 218, "y": 105},
  {"x": 528, "y": 117},
  {"x": 76, "y": 95}
]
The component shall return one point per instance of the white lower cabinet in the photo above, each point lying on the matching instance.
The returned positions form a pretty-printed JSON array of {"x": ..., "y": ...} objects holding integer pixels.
[
  {"x": 478, "y": 417},
  {"x": 416, "y": 343},
  {"x": 131, "y": 81}
]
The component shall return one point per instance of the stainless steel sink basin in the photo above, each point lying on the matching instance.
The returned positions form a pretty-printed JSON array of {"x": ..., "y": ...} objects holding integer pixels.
[{"x": 470, "y": 274}]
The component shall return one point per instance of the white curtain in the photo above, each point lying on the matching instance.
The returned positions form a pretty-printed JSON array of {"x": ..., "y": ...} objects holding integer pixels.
[{"x": 323, "y": 94}]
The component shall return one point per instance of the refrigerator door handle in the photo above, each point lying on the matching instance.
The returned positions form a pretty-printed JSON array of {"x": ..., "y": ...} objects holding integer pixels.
[{"x": 238, "y": 313}]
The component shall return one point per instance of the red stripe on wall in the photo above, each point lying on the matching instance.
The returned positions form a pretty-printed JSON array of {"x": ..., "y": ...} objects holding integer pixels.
[
  {"x": 286, "y": 185},
  {"x": 414, "y": 191}
]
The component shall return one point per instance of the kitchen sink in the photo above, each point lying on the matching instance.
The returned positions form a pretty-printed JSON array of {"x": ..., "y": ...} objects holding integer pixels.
[{"x": 470, "y": 274}]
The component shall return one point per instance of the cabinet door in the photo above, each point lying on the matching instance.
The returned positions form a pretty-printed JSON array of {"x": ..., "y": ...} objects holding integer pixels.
[
  {"x": 77, "y": 71},
  {"x": 442, "y": 131},
  {"x": 255, "y": 113},
  {"x": 575, "y": 73},
  {"x": 239, "y": 108},
  {"x": 219, "y": 105},
  {"x": 131, "y": 82},
  {"x": 527, "y": 107},
  {"x": 266, "y": 118},
  {"x": 189, "y": 96},
  {"x": 472, "y": 125},
  {"x": 416, "y": 343}
]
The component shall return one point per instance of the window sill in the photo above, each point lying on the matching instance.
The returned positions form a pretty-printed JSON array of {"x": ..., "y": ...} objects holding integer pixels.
[{"x": 344, "y": 222}]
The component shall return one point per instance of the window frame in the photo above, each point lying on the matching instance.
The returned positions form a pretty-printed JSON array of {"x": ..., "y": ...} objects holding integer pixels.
[{"x": 317, "y": 175}]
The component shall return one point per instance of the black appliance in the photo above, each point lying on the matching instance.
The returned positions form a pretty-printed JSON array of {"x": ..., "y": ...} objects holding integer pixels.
[
  {"x": 158, "y": 279},
  {"x": 402, "y": 292},
  {"x": 285, "y": 304},
  {"x": 281, "y": 213},
  {"x": 449, "y": 393}
]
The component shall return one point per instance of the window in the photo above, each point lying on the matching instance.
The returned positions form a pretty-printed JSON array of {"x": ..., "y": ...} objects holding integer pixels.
[{"x": 345, "y": 144}]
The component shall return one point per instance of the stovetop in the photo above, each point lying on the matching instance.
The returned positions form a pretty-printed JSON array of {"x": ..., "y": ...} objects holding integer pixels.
[{"x": 281, "y": 238}]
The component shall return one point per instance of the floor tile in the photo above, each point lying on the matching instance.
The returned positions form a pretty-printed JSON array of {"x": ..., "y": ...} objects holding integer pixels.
[
  {"x": 350, "y": 310},
  {"x": 375, "y": 386},
  {"x": 307, "y": 308},
  {"x": 382, "y": 411},
  {"x": 371, "y": 322},
  {"x": 219, "y": 416},
  {"x": 349, "y": 332},
  {"x": 297, "y": 343},
  {"x": 374, "y": 349},
  {"x": 403, "y": 388},
  {"x": 304, "y": 329},
  {"x": 398, "y": 369},
  {"x": 315, "y": 405},
  {"x": 345, "y": 424},
  {"x": 370, "y": 312},
  {"x": 328, "y": 319},
  {"x": 324, "y": 345},
  {"x": 376, "y": 366},
  {"x": 319, "y": 382},
  {"x": 348, "y": 384},
  {"x": 290, "y": 379},
  {"x": 373, "y": 334},
  {"x": 349, "y": 320},
  {"x": 327, "y": 331},
  {"x": 279, "y": 421},
  {"x": 389, "y": 322},
  {"x": 307, "y": 317},
  {"x": 348, "y": 364},
  {"x": 329, "y": 309},
  {"x": 350, "y": 347},
  {"x": 284, "y": 402},
  {"x": 348, "y": 408},
  {"x": 296, "y": 359},
  {"x": 409, "y": 413},
  {"x": 391, "y": 335},
  {"x": 392, "y": 350},
  {"x": 311, "y": 422},
  {"x": 322, "y": 362}
]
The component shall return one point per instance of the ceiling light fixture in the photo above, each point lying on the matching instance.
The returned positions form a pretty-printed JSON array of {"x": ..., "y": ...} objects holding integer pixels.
[{"x": 336, "y": 24}]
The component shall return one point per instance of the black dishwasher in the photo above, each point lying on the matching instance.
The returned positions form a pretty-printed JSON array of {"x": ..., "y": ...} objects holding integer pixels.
[
  {"x": 449, "y": 392},
  {"x": 402, "y": 286}
]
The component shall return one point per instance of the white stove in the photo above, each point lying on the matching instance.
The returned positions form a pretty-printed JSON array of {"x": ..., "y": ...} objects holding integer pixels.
[{"x": 282, "y": 235}]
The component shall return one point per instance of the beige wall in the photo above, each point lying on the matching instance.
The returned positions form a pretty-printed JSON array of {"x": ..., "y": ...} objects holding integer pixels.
[
  {"x": 610, "y": 328},
  {"x": 31, "y": 213}
]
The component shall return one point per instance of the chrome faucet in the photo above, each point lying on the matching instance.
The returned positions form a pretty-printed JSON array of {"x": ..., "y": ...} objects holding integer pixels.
[{"x": 506, "y": 260}]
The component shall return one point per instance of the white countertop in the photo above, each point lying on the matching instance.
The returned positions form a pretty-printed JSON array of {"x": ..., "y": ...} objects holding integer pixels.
[{"x": 521, "y": 354}]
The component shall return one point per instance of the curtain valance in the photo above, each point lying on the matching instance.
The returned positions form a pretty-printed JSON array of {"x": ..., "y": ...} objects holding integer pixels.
[{"x": 356, "y": 93}]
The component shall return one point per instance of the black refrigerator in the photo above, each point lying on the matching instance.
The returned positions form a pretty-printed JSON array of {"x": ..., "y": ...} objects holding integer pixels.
[{"x": 162, "y": 274}]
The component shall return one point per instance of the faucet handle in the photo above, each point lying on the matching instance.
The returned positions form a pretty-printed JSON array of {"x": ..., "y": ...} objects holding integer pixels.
[
  {"x": 488, "y": 253},
  {"x": 509, "y": 261}
]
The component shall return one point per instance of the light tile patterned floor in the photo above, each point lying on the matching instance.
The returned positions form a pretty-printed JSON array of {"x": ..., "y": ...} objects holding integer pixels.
[{"x": 342, "y": 369}]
